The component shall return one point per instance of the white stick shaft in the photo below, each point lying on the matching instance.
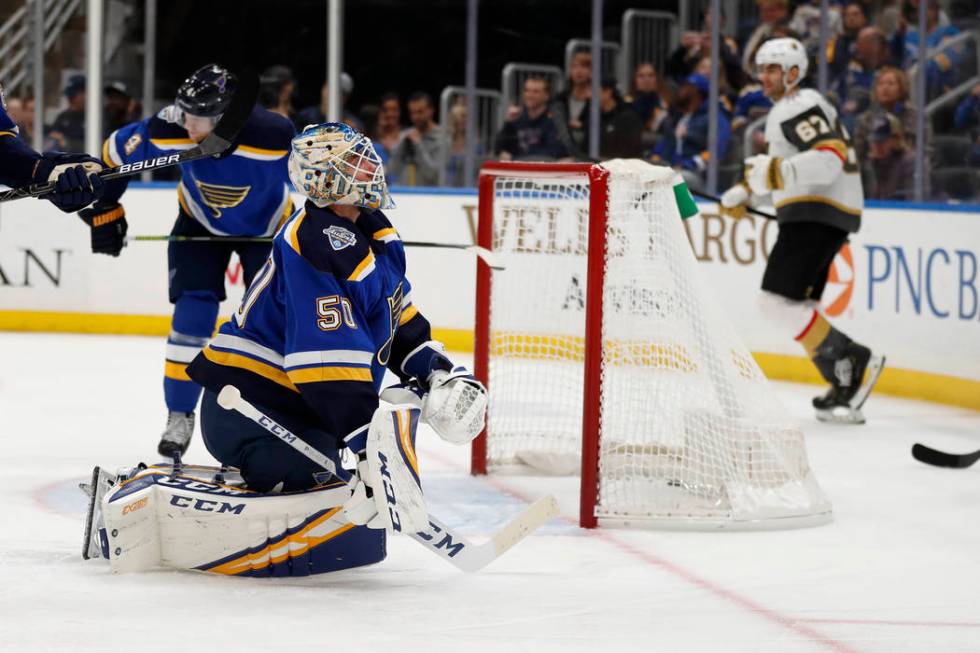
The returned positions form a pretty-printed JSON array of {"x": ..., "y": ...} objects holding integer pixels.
[{"x": 440, "y": 539}]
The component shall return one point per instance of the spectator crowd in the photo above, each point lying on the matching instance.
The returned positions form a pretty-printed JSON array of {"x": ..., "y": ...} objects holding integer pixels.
[{"x": 871, "y": 51}]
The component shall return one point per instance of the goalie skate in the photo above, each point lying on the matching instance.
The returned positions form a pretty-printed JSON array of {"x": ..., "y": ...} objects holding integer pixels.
[{"x": 95, "y": 544}]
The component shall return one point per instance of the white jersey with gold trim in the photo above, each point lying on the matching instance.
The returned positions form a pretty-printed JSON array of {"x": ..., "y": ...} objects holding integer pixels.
[{"x": 824, "y": 184}]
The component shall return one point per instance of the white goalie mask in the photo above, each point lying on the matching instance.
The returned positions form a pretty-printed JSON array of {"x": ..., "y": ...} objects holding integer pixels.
[
  {"x": 786, "y": 53},
  {"x": 332, "y": 163}
]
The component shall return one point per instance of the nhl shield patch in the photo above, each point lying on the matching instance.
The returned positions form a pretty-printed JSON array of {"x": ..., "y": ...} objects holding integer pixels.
[{"x": 339, "y": 237}]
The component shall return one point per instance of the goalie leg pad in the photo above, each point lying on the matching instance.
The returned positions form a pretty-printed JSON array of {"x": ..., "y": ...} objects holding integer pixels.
[
  {"x": 392, "y": 469},
  {"x": 189, "y": 520}
]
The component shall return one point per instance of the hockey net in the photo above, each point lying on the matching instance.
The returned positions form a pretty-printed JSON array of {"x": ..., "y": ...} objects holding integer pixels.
[{"x": 604, "y": 355}]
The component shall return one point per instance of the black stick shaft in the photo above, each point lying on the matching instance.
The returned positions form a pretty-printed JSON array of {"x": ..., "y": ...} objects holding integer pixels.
[{"x": 761, "y": 214}]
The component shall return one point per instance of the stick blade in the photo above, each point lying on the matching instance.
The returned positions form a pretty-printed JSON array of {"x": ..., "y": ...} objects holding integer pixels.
[
  {"x": 236, "y": 115},
  {"x": 937, "y": 458},
  {"x": 533, "y": 517}
]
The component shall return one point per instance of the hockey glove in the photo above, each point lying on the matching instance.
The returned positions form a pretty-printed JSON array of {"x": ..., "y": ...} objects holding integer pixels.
[
  {"x": 764, "y": 174},
  {"x": 109, "y": 227},
  {"x": 75, "y": 184},
  {"x": 387, "y": 490},
  {"x": 456, "y": 405},
  {"x": 734, "y": 201}
]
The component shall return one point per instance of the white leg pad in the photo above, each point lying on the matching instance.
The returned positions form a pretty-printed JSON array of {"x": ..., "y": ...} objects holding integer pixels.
[{"x": 158, "y": 519}]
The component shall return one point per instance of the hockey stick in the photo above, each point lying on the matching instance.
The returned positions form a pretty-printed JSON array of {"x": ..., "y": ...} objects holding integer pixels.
[
  {"x": 440, "y": 539},
  {"x": 217, "y": 142},
  {"x": 761, "y": 214},
  {"x": 483, "y": 253},
  {"x": 938, "y": 458}
]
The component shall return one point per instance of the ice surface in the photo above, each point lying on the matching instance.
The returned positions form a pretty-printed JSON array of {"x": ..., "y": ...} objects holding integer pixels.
[{"x": 896, "y": 571}]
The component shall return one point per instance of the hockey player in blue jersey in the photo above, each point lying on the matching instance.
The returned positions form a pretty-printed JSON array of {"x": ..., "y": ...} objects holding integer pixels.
[
  {"x": 328, "y": 314},
  {"x": 244, "y": 192},
  {"x": 76, "y": 185}
]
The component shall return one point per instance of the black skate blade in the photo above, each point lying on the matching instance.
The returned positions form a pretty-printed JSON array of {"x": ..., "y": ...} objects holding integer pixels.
[{"x": 875, "y": 365}]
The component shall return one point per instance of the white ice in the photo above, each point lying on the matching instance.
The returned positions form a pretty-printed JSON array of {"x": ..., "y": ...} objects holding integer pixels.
[{"x": 896, "y": 571}]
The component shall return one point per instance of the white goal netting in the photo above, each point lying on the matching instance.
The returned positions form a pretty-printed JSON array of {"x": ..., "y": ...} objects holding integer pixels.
[{"x": 689, "y": 432}]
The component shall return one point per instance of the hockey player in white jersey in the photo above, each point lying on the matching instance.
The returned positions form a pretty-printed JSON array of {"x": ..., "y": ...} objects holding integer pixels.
[{"x": 813, "y": 176}]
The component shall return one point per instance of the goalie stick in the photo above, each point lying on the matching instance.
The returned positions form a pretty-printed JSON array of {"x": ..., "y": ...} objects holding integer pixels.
[
  {"x": 216, "y": 143},
  {"x": 440, "y": 539},
  {"x": 931, "y": 456},
  {"x": 483, "y": 253}
]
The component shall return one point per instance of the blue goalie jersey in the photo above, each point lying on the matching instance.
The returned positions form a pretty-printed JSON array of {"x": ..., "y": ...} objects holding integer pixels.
[
  {"x": 244, "y": 192},
  {"x": 320, "y": 323}
]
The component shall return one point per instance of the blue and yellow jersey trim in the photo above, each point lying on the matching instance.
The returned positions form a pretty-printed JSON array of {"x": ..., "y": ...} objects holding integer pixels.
[
  {"x": 293, "y": 369},
  {"x": 364, "y": 268},
  {"x": 259, "y": 153}
]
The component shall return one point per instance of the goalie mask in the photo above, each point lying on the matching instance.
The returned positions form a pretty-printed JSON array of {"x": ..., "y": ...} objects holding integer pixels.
[
  {"x": 332, "y": 163},
  {"x": 786, "y": 53}
]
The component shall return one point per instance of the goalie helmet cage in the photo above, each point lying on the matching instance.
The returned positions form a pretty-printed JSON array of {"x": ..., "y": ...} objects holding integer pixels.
[{"x": 601, "y": 351}]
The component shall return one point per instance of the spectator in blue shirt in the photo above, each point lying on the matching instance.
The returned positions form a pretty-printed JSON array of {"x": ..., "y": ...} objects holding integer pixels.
[
  {"x": 685, "y": 142},
  {"x": 853, "y": 89},
  {"x": 942, "y": 68}
]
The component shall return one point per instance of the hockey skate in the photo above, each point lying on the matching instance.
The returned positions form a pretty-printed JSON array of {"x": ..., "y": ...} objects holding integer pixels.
[
  {"x": 177, "y": 435},
  {"x": 855, "y": 375},
  {"x": 95, "y": 543}
]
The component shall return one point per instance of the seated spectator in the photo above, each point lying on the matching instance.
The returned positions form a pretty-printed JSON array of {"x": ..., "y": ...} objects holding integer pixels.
[
  {"x": 644, "y": 97},
  {"x": 842, "y": 48},
  {"x": 316, "y": 114},
  {"x": 570, "y": 107},
  {"x": 941, "y": 69},
  {"x": 853, "y": 89},
  {"x": 806, "y": 23},
  {"x": 967, "y": 117},
  {"x": 685, "y": 142},
  {"x": 416, "y": 158},
  {"x": 119, "y": 109},
  {"x": 456, "y": 147},
  {"x": 389, "y": 122},
  {"x": 276, "y": 89},
  {"x": 967, "y": 114},
  {"x": 772, "y": 13},
  {"x": 620, "y": 129},
  {"x": 890, "y": 95},
  {"x": 531, "y": 135},
  {"x": 67, "y": 132},
  {"x": 695, "y": 46},
  {"x": 891, "y": 160}
]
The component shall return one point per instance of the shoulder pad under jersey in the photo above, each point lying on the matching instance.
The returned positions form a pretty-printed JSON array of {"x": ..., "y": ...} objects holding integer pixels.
[
  {"x": 330, "y": 243},
  {"x": 805, "y": 119},
  {"x": 267, "y": 131}
]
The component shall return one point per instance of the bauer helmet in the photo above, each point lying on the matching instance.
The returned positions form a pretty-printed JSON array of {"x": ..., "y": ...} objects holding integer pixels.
[
  {"x": 207, "y": 92},
  {"x": 786, "y": 53},
  {"x": 332, "y": 163}
]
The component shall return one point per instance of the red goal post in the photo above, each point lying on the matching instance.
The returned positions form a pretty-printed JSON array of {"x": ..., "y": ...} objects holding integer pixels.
[{"x": 630, "y": 382}]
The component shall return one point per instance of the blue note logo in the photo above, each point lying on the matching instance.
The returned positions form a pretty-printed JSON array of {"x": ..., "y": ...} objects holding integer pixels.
[{"x": 339, "y": 237}]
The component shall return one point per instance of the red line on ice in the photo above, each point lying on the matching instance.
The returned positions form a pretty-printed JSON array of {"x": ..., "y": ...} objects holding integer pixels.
[{"x": 795, "y": 625}]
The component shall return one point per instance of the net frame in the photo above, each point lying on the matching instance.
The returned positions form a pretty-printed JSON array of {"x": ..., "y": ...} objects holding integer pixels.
[{"x": 597, "y": 177}]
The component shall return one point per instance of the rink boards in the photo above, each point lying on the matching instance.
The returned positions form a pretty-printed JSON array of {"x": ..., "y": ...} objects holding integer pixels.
[{"x": 908, "y": 284}]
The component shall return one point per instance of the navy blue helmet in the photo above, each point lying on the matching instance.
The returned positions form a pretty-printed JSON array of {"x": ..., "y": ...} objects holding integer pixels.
[{"x": 207, "y": 92}]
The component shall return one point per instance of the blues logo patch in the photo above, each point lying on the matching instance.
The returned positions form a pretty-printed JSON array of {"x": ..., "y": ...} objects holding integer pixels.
[{"x": 339, "y": 237}]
